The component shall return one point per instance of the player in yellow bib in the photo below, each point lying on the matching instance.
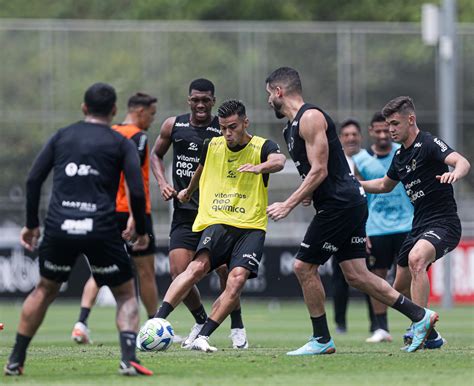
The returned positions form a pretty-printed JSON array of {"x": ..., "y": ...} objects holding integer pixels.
[{"x": 232, "y": 176}]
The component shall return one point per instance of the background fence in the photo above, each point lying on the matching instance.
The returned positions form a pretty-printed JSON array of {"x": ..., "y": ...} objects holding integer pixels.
[{"x": 349, "y": 69}]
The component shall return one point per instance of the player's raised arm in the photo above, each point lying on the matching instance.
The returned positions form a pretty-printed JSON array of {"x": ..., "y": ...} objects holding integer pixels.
[
  {"x": 379, "y": 185},
  {"x": 161, "y": 146},
  {"x": 461, "y": 167},
  {"x": 272, "y": 160}
]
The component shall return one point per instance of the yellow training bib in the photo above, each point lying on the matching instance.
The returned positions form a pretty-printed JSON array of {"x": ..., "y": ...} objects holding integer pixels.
[{"x": 227, "y": 196}]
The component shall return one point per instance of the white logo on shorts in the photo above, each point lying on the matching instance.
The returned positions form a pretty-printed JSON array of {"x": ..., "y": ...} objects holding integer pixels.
[
  {"x": 206, "y": 240},
  {"x": 431, "y": 234}
]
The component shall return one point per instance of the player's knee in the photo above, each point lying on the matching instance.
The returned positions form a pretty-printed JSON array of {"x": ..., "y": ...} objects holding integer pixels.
[
  {"x": 48, "y": 289},
  {"x": 417, "y": 263},
  {"x": 235, "y": 284},
  {"x": 301, "y": 269},
  {"x": 196, "y": 270}
]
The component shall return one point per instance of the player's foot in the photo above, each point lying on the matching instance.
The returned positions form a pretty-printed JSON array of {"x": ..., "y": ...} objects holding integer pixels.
[
  {"x": 239, "y": 338},
  {"x": 178, "y": 339},
  {"x": 378, "y": 336},
  {"x": 201, "y": 343},
  {"x": 132, "y": 368},
  {"x": 432, "y": 344},
  {"x": 195, "y": 330},
  {"x": 422, "y": 329},
  {"x": 340, "y": 329},
  {"x": 313, "y": 347},
  {"x": 13, "y": 369},
  {"x": 80, "y": 334}
]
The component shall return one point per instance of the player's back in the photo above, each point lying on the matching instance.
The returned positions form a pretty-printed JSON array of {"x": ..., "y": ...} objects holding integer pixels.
[{"x": 88, "y": 159}]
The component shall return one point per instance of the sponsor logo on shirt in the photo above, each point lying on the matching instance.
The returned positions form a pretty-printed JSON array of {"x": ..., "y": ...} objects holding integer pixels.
[
  {"x": 418, "y": 144},
  {"x": 441, "y": 144},
  {"x": 358, "y": 240},
  {"x": 77, "y": 227},
  {"x": 82, "y": 206},
  {"x": 72, "y": 169},
  {"x": 210, "y": 128},
  {"x": 181, "y": 124},
  {"x": 193, "y": 146}
]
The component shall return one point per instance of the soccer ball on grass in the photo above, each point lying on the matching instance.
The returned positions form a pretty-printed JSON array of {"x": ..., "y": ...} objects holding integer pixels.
[{"x": 155, "y": 335}]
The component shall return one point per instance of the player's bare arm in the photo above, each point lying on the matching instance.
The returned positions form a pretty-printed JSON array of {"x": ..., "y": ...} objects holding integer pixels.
[
  {"x": 185, "y": 194},
  {"x": 379, "y": 185},
  {"x": 461, "y": 167},
  {"x": 273, "y": 164},
  {"x": 313, "y": 130},
  {"x": 160, "y": 148}
]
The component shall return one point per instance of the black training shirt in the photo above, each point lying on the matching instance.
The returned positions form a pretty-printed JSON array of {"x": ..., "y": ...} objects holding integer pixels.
[
  {"x": 87, "y": 159},
  {"x": 417, "y": 167}
]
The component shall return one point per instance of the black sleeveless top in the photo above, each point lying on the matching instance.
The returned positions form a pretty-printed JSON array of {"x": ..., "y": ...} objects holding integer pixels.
[
  {"x": 187, "y": 147},
  {"x": 340, "y": 189}
]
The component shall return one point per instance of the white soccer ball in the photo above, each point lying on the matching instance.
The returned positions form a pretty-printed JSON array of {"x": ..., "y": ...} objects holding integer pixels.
[{"x": 155, "y": 335}]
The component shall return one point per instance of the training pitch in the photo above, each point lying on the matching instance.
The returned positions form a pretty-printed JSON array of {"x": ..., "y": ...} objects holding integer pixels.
[{"x": 273, "y": 328}]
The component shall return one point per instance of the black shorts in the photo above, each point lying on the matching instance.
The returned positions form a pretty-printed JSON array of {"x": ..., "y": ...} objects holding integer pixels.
[
  {"x": 235, "y": 247},
  {"x": 122, "y": 218},
  {"x": 335, "y": 232},
  {"x": 108, "y": 259},
  {"x": 444, "y": 236},
  {"x": 385, "y": 249},
  {"x": 181, "y": 233}
]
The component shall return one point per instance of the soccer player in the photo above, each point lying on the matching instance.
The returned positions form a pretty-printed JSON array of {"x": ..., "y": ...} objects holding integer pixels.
[
  {"x": 87, "y": 158},
  {"x": 186, "y": 133},
  {"x": 390, "y": 215},
  {"x": 233, "y": 176},
  {"x": 140, "y": 116},
  {"x": 422, "y": 165},
  {"x": 338, "y": 228}
]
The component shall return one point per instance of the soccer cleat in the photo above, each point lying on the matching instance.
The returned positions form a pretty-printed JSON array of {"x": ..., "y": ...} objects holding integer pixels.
[
  {"x": 379, "y": 336},
  {"x": 422, "y": 329},
  {"x": 408, "y": 336},
  {"x": 133, "y": 368},
  {"x": 432, "y": 344},
  {"x": 80, "y": 334},
  {"x": 201, "y": 343},
  {"x": 13, "y": 369},
  {"x": 239, "y": 338},
  {"x": 313, "y": 347},
  {"x": 195, "y": 330}
]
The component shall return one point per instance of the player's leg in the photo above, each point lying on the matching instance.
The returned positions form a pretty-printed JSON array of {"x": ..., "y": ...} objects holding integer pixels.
[
  {"x": 32, "y": 315},
  {"x": 238, "y": 334},
  {"x": 80, "y": 332},
  {"x": 111, "y": 266},
  {"x": 222, "y": 307},
  {"x": 340, "y": 297},
  {"x": 145, "y": 267},
  {"x": 184, "y": 282},
  {"x": 56, "y": 259},
  {"x": 420, "y": 257}
]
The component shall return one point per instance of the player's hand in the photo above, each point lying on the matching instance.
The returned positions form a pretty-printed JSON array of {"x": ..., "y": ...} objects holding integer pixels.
[
  {"x": 368, "y": 245},
  {"x": 278, "y": 211},
  {"x": 447, "y": 178},
  {"x": 168, "y": 192},
  {"x": 141, "y": 243},
  {"x": 184, "y": 196},
  {"x": 249, "y": 168},
  {"x": 129, "y": 232},
  {"x": 29, "y": 238},
  {"x": 307, "y": 201}
]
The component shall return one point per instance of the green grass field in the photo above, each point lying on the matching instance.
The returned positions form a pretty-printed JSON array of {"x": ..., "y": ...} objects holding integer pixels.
[{"x": 273, "y": 328}]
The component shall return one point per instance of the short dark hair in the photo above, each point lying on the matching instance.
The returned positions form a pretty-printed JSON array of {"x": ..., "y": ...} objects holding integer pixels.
[
  {"x": 231, "y": 107},
  {"x": 100, "y": 99},
  {"x": 377, "y": 117},
  {"x": 286, "y": 77},
  {"x": 202, "y": 84},
  {"x": 349, "y": 122},
  {"x": 141, "y": 100},
  {"x": 401, "y": 104}
]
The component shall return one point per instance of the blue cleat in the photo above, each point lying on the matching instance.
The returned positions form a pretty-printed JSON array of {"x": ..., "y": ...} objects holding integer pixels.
[
  {"x": 313, "y": 347},
  {"x": 422, "y": 329},
  {"x": 408, "y": 336},
  {"x": 432, "y": 344}
]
